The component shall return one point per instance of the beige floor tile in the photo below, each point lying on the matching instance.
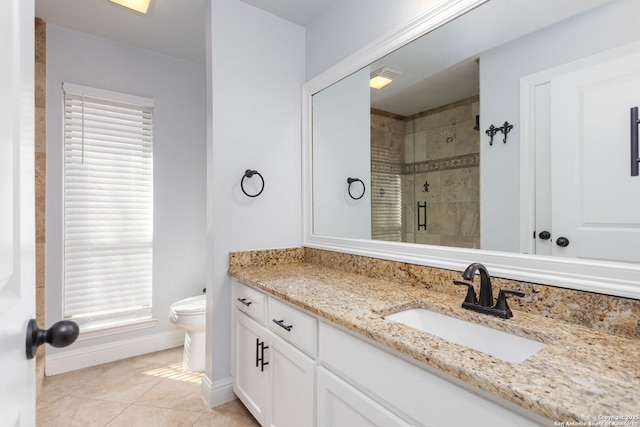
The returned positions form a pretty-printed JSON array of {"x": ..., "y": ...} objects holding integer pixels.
[
  {"x": 123, "y": 382},
  {"x": 80, "y": 412},
  {"x": 65, "y": 384},
  {"x": 161, "y": 358},
  {"x": 132, "y": 365},
  {"x": 175, "y": 372},
  {"x": 149, "y": 390},
  {"x": 145, "y": 416},
  {"x": 230, "y": 414},
  {"x": 121, "y": 389},
  {"x": 48, "y": 409},
  {"x": 174, "y": 394}
]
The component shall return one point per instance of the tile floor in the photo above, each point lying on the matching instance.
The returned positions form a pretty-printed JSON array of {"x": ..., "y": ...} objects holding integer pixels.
[{"x": 147, "y": 391}]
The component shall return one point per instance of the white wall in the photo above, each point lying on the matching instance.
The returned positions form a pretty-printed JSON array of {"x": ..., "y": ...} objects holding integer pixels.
[
  {"x": 349, "y": 25},
  {"x": 341, "y": 150},
  {"x": 177, "y": 88},
  {"x": 500, "y": 71},
  {"x": 257, "y": 68}
]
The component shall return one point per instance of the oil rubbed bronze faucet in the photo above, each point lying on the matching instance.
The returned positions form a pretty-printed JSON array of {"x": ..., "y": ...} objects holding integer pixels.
[{"x": 485, "y": 304}]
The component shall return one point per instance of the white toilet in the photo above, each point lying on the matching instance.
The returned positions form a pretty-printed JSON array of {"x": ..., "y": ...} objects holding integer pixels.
[{"x": 190, "y": 315}]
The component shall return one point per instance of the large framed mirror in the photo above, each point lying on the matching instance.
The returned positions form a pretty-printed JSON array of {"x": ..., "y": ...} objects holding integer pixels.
[{"x": 464, "y": 156}]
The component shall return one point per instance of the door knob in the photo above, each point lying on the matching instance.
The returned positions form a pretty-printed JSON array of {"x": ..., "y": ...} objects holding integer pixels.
[
  {"x": 562, "y": 242},
  {"x": 61, "y": 334},
  {"x": 544, "y": 235}
]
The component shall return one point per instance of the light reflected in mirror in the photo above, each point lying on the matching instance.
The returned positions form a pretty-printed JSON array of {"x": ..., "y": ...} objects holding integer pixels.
[{"x": 433, "y": 176}]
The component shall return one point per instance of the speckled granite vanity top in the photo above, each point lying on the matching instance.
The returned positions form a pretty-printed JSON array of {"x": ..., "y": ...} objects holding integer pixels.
[{"x": 581, "y": 375}]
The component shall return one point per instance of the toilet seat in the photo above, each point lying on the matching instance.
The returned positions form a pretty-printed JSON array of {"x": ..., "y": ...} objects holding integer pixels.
[{"x": 193, "y": 306}]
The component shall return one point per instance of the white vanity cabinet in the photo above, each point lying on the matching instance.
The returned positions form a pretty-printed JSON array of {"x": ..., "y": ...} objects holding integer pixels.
[
  {"x": 273, "y": 378},
  {"x": 293, "y": 369}
]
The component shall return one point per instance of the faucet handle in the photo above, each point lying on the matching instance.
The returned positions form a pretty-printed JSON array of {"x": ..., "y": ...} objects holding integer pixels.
[
  {"x": 501, "y": 303},
  {"x": 471, "y": 294}
]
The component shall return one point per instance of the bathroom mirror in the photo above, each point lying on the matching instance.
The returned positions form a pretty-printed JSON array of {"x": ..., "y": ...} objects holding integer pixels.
[{"x": 496, "y": 71}]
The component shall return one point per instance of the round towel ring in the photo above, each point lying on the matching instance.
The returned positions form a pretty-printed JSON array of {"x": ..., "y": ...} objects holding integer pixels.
[
  {"x": 248, "y": 174},
  {"x": 351, "y": 181}
]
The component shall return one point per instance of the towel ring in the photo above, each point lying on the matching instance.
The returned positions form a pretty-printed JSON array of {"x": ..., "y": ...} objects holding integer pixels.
[
  {"x": 351, "y": 181},
  {"x": 248, "y": 174}
]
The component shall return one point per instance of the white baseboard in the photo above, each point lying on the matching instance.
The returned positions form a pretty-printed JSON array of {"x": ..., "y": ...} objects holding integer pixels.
[
  {"x": 217, "y": 393},
  {"x": 104, "y": 353}
]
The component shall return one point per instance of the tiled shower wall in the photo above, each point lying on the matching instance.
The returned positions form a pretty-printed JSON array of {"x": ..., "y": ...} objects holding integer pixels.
[
  {"x": 40, "y": 188},
  {"x": 442, "y": 169},
  {"x": 425, "y": 176}
]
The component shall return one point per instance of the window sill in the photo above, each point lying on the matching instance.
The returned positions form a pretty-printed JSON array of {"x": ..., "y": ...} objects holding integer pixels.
[{"x": 105, "y": 329}]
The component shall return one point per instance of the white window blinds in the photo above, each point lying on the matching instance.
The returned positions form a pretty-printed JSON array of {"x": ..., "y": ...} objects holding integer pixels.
[
  {"x": 108, "y": 206},
  {"x": 386, "y": 195}
]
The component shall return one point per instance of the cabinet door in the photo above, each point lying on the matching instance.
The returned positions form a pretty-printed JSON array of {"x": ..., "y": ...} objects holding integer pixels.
[
  {"x": 339, "y": 404},
  {"x": 251, "y": 376},
  {"x": 292, "y": 386},
  {"x": 423, "y": 395}
]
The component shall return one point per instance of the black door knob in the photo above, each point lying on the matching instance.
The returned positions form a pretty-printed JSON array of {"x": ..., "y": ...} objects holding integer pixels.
[
  {"x": 544, "y": 235},
  {"x": 562, "y": 242},
  {"x": 61, "y": 334}
]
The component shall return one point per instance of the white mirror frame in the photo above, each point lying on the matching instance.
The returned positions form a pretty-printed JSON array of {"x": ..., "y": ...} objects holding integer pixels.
[{"x": 603, "y": 277}]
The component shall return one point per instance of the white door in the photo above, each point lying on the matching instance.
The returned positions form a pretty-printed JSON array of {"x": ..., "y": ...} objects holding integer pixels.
[
  {"x": 17, "y": 229},
  {"x": 595, "y": 200}
]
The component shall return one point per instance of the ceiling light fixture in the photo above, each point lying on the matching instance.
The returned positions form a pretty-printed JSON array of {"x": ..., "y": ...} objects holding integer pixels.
[
  {"x": 141, "y": 6},
  {"x": 383, "y": 76}
]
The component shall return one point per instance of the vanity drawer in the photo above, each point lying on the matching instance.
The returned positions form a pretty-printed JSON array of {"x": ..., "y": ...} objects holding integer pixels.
[
  {"x": 298, "y": 328},
  {"x": 250, "y": 301}
]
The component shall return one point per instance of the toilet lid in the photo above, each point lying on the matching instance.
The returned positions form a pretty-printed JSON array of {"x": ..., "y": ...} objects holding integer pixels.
[{"x": 190, "y": 306}]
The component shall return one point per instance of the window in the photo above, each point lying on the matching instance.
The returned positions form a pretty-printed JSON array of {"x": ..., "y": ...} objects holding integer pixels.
[{"x": 108, "y": 207}]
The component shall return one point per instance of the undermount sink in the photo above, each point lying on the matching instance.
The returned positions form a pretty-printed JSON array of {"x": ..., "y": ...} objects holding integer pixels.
[{"x": 503, "y": 345}]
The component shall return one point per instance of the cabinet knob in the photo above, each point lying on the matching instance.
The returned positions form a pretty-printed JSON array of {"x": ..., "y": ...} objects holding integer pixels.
[{"x": 562, "y": 242}]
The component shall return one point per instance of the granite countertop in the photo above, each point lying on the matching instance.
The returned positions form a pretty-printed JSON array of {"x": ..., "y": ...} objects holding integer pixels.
[{"x": 581, "y": 375}]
